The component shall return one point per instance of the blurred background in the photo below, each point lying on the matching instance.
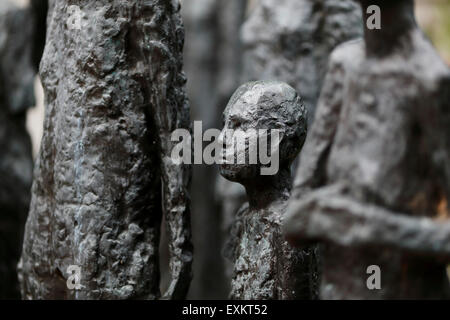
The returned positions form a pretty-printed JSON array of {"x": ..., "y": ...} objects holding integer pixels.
[{"x": 213, "y": 63}]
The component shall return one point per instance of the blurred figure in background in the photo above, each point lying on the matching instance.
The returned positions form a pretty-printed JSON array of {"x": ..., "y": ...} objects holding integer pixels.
[{"x": 16, "y": 96}]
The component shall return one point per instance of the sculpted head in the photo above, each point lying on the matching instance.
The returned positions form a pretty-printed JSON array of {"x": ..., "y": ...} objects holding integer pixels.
[{"x": 257, "y": 110}]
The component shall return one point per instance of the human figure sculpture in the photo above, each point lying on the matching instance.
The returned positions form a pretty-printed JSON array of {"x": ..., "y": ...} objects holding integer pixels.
[
  {"x": 265, "y": 266},
  {"x": 289, "y": 41},
  {"x": 114, "y": 91},
  {"x": 373, "y": 185}
]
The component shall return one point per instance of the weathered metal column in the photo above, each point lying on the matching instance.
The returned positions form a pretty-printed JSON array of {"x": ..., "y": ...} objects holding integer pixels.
[{"x": 114, "y": 92}]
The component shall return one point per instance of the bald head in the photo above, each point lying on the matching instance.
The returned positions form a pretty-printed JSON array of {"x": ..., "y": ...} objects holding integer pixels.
[{"x": 268, "y": 105}]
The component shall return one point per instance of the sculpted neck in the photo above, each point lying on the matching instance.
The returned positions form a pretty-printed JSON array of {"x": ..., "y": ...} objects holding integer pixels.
[
  {"x": 397, "y": 23},
  {"x": 268, "y": 191}
]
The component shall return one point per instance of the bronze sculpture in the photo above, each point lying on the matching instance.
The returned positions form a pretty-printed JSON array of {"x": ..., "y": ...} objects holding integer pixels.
[
  {"x": 265, "y": 266},
  {"x": 374, "y": 178}
]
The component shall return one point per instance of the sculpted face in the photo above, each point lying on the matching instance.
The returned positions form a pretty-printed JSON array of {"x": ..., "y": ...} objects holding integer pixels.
[
  {"x": 239, "y": 121},
  {"x": 255, "y": 111}
]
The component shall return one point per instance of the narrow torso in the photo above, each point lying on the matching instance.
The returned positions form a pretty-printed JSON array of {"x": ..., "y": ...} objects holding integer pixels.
[{"x": 266, "y": 266}]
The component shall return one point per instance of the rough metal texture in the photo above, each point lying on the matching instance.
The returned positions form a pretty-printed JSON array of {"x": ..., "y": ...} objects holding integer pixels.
[
  {"x": 265, "y": 266},
  {"x": 291, "y": 40},
  {"x": 16, "y": 95},
  {"x": 114, "y": 92},
  {"x": 212, "y": 64},
  {"x": 374, "y": 178}
]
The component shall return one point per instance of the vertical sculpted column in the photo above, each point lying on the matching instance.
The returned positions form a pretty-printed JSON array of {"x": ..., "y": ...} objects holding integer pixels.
[
  {"x": 114, "y": 92},
  {"x": 16, "y": 96}
]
